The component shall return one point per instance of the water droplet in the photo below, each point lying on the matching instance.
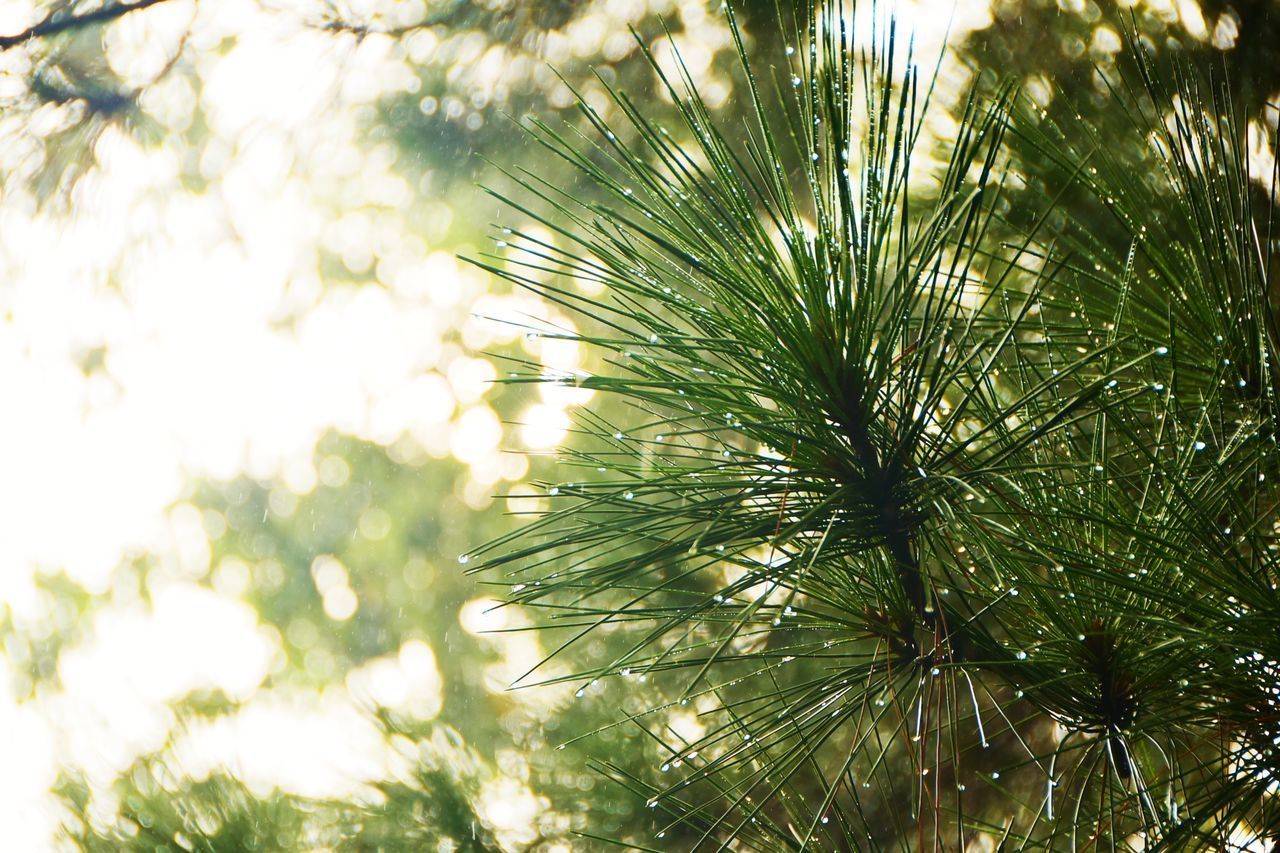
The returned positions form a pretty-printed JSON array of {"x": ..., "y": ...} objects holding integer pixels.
[{"x": 463, "y": 559}]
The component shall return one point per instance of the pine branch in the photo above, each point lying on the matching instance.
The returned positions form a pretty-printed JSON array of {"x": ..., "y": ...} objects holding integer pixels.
[{"x": 965, "y": 482}]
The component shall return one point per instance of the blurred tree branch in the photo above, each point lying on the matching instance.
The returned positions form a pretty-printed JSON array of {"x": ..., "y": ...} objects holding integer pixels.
[
  {"x": 56, "y": 22},
  {"x": 362, "y": 31}
]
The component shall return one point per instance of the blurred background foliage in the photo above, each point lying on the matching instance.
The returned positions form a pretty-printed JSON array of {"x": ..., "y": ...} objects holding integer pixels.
[{"x": 234, "y": 613}]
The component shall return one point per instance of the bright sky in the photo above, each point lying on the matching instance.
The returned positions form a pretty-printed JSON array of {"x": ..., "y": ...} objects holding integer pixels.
[{"x": 224, "y": 355}]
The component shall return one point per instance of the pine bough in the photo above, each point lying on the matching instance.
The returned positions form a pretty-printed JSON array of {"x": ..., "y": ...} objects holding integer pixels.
[{"x": 944, "y": 527}]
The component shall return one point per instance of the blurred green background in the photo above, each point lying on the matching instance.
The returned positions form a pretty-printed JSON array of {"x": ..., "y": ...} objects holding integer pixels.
[{"x": 251, "y": 422}]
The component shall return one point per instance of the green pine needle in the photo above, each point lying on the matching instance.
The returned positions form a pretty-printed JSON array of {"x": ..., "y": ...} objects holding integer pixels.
[{"x": 911, "y": 504}]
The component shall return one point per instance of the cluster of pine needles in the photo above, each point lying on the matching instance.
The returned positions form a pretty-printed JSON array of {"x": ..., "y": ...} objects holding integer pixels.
[{"x": 947, "y": 508}]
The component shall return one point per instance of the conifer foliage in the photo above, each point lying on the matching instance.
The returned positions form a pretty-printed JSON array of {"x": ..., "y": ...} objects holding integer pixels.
[{"x": 942, "y": 527}]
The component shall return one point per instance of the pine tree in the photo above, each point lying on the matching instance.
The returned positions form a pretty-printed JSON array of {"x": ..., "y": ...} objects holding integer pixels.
[{"x": 948, "y": 503}]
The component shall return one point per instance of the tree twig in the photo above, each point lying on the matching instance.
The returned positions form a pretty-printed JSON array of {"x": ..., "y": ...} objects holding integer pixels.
[
  {"x": 362, "y": 31},
  {"x": 54, "y": 24}
]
